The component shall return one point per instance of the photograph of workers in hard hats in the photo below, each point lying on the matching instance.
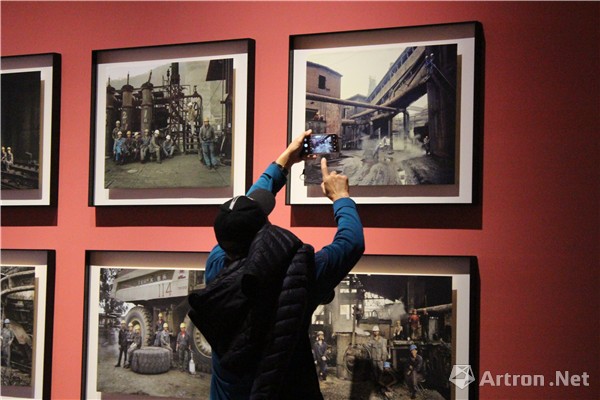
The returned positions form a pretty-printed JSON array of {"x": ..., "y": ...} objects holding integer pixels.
[
  {"x": 161, "y": 118},
  {"x": 169, "y": 123},
  {"x": 30, "y": 111},
  {"x": 140, "y": 338},
  {"x": 18, "y": 306},
  {"x": 21, "y": 130},
  {"x": 357, "y": 354},
  {"x": 22, "y": 336}
]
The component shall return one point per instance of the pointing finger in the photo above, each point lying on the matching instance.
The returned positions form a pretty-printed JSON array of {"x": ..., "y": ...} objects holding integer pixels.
[{"x": 324, "y": 169}]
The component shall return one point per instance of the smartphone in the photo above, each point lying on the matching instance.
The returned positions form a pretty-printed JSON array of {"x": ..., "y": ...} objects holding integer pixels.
[{"x": 320, "y": 143}]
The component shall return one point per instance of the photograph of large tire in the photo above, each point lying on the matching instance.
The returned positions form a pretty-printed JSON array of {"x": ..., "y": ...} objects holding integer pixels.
[
  {"x": 153, "y": 299},
  {"x": 151, "y": 360}
]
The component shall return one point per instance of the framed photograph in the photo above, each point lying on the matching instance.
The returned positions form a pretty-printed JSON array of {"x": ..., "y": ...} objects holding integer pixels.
[
  {"x": 386, "y": 305},
  {"x": 125, "y": 290},
  {"x": 143, "y": 291},
  {"x": 172, "y": 125},
  {"x": 400, "y": 102},
  {"x": 27, "y": 303},
  {"x": 30, "y": 110}
]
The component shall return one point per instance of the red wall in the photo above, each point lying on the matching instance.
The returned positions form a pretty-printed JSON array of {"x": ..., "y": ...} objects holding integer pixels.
[{"x": 535, "y": 232}]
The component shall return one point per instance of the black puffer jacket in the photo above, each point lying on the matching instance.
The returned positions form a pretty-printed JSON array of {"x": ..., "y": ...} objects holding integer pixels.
[{"x": 254, "y": 315}]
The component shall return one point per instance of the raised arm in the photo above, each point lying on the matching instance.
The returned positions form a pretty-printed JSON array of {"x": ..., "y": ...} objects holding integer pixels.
[{"x": 334, "y": 261}]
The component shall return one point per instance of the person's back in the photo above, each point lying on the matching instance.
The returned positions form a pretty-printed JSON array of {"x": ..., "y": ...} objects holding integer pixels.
[{"x": 237, "y": 230}]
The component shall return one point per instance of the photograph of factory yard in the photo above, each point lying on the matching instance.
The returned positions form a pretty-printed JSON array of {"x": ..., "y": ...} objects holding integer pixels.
[{"x": 393, "y": 109}]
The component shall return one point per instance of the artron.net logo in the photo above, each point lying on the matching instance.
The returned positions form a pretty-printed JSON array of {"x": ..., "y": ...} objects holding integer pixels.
[{"x": 462, "y": 376}]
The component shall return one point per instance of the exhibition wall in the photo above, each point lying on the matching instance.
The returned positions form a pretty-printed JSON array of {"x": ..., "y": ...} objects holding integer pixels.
[{"x": 533, "y": 225}]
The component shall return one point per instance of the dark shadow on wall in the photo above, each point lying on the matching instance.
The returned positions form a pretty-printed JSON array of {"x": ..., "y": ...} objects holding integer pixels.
[
  {"x": 29, "y": 216},
  {"x": 396, "y": 216},
  {"x": 156, "y": 216},
  {"x": 475, "y": 325}
]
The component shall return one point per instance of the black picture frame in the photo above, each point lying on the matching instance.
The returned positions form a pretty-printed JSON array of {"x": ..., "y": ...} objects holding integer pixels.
[
  {"x": 171, "y": 89},
  {"x": 403, "y": 102},
  {"x": 27, "y": 297},
  {"x": 31, "y": 92}
]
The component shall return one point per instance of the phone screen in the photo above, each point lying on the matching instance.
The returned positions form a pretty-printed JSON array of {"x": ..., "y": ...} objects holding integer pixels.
[{"x": 321, "y": 143}]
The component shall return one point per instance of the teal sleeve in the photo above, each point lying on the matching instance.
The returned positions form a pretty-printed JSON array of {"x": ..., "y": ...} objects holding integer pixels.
[{"x": 334, "y": 261}]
